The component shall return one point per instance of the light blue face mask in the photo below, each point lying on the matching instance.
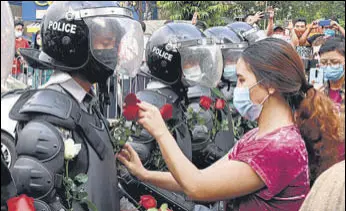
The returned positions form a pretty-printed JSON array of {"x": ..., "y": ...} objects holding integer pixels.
[
  {"x": 244, "y": 105},
  {"x": 230, "y": 72},
  {"x": 332, "y": 73},
  {"x": 329, "y": 32}
]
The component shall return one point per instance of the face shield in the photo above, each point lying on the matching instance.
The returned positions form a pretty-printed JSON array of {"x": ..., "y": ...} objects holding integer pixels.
[
  {"x": 7, "y": 42},
  {"x": 117, "y": 43},
  {"x": 254, "y": 35},
  {"x": 231, "y": 53},
  {"x": 201, "y": 64}
]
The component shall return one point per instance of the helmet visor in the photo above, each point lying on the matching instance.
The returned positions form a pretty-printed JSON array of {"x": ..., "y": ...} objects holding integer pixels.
[
  {"x": 117, "y": 43},
  {"x": 201, "y": 65}
]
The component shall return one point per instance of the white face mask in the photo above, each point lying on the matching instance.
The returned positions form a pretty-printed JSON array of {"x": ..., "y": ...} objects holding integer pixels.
[
  {"x": 193, "y": 75},
  {"x": 18, "y": 34}
]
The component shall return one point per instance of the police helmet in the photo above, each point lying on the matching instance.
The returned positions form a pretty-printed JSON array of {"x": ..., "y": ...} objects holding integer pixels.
[
  {"x": 179, "y": 52},
  {"x": 249, "y": 33},
  {"x": 95, "y": 38},
  {"x": 231, "y": 44}
]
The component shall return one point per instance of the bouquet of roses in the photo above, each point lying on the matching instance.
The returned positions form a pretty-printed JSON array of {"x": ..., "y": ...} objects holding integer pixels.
[{"x": 207, "y": 104}]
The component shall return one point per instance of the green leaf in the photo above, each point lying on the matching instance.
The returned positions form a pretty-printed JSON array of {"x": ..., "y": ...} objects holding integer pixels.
[
  {"x": 81, "y": 178},
  {"x": 91, "y": 206},
  {"x": 82, "y": 195},
  {"x": 153, "y": 209},
  {"x": 164, "y": 207}
]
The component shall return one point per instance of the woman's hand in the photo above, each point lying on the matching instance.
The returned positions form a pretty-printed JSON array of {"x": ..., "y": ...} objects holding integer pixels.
[
  {"x": 150, "y": 118},
  {"x": 129, "y": 157}
]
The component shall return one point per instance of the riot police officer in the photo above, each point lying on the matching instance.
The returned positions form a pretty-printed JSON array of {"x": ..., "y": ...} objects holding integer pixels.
[
  {"x": 233, "y": 39},
  {"x": 85, "y": 42},
  {"x": 178, "y": 56}
]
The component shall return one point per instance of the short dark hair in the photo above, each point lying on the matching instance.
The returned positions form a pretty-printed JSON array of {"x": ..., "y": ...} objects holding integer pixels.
[
  {"x": 299, "y": 20},
  {"x": 18, "y": 22},
  {"x": 247, "y": 15},
  {"x": 278, "y": 28},
  {"x": 333, "y": 44}
]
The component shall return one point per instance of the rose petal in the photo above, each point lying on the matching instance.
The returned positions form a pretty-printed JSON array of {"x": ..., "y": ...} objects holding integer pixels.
[
  {"x": 148, "y": 202},
  {"x": 167, "y": 111},
  {"x": 220, "y": 104},
  {"x": 205, "y": 102},
  {"x": 131, "y": 100},
  {"x": 131, "y": 112},
  {"x": 22, "y": 202}
]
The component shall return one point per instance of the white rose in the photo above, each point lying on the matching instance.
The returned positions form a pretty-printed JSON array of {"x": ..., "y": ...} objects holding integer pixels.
[{"x": 71, "y": 149}]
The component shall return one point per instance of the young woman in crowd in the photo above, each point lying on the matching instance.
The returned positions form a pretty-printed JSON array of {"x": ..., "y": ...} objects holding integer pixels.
[{"x": 268, "y": 169}]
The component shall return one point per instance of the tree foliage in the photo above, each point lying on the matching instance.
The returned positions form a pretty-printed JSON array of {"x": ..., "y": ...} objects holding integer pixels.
[{"x": 220, "y": 12}]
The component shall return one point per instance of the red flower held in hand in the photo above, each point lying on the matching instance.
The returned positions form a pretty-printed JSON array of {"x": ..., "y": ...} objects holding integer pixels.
[
  {"x": 148, "y": 202},
  {"x": 131, "y": 109},
  {"x": 20, "y": 203},
  {"x": 220, "y": 104},
  {"x": 205, "y": 102},
  {"x": 167, "y": 111}
]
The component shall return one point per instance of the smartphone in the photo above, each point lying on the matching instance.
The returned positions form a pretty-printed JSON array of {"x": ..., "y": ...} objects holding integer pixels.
[
  {"x": 266, "y": 15},
  {"x": 324, "y": 23},
  {"x": 286, "y": 23},
  {"x": 316, "y": 77}
]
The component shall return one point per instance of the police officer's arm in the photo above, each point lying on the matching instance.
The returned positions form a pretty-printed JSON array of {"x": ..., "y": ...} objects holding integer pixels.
[{"x": 224, "y": 181}]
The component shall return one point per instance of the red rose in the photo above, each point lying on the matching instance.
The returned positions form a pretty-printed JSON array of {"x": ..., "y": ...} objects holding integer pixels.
[
  {"x": 131, "y": 99},
  {"x": 22, "y": 202},
  {"x": 148, "y": 202},
  {"x": 229, "y": 156},
  {"x": 131, "y": 109},
  {"x": 167, "y": 111},
  {"x": 131, "y": 113},
  {"x": 220, "y": 104},
  {"x": 205, "y": 102}
]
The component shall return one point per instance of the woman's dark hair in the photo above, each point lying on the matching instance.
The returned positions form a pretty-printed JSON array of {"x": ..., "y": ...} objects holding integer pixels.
[
  {"x": 333, "y": 44},
  {"x": 279, "y": 66},
  {"x": 36, "y": 46}
]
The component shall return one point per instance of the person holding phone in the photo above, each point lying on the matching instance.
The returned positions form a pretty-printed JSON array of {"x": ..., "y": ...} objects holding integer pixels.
[{"x": 331, "y": 28}]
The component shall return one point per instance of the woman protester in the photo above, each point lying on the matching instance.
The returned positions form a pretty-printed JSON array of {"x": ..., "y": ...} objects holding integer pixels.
[{"x": 268, "y": 168}]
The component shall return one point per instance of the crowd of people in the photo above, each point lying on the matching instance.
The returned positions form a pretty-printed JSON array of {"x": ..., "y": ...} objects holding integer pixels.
[{"x": 292, "y": 160}]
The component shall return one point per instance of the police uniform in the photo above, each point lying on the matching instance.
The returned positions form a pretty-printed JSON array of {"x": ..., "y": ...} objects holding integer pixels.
[{"x": 73, "y": 43}]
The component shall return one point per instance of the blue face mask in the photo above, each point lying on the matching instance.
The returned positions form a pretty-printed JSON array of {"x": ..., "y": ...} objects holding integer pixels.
[
  {"x": 230, "y": 72},
  {"x": 329, "y": 32},
  {"x": 332, "y": 73},
  {"x": 244, "y": 105}
]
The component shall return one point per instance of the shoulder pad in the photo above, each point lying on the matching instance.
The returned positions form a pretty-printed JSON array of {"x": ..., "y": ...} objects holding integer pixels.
[
  {"x": 46, "y": 102},
  {"x": 158, "y": 97},
  {"x": 198, "y": 91}
]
